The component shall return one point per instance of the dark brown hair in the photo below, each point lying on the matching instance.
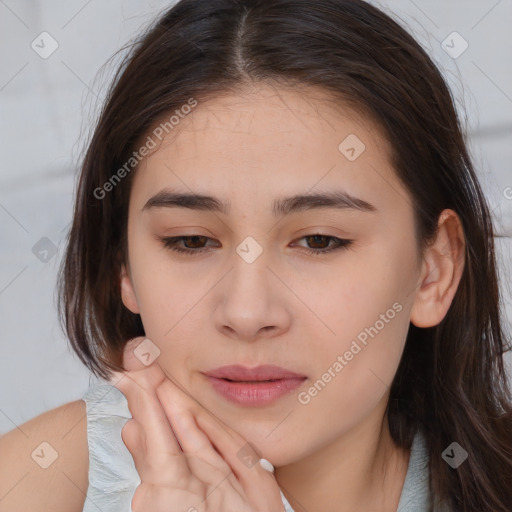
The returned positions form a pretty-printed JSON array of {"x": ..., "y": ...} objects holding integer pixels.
[{"x": 451, "y": 380}]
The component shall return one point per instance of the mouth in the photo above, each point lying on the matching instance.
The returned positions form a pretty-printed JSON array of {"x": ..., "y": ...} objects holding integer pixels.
[
  {"x": 253, "y": 387},
  {"x": 239, "y": 373},
  {"x": 252, "y": 381}
]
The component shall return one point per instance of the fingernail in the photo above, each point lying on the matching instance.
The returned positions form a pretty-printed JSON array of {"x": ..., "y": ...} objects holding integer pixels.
[{"x": 266, "y": 465}]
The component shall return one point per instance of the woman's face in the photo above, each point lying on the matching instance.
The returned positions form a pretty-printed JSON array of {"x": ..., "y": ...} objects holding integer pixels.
[{"x": 255, "y": 295}]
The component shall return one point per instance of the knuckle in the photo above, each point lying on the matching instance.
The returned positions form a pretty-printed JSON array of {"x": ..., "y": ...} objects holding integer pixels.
[
  {"x": 160, "y": 388},
  {"x": 198, "y": 487}
]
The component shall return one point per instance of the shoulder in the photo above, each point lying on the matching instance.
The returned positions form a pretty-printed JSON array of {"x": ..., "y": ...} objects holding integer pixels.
[{"x": 45, "y": 462}]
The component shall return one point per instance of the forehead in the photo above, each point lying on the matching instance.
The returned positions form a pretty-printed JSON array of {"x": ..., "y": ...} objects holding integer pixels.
[{"x": 263, "y": 141}]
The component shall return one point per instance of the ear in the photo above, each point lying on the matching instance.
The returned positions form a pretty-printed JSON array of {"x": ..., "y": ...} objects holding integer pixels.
[
  {"x": 443, "y": 264},
  {"x": 127, "y": 291}
]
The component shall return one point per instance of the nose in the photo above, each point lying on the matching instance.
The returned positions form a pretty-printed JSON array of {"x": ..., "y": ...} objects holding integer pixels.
[{"x": 252, "y": 301}]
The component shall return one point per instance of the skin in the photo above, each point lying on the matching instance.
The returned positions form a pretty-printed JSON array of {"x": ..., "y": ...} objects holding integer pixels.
[{"x": 288, "y": 307}]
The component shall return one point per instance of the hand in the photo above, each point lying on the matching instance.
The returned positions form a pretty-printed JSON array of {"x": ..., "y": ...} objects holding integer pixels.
[{"x": 200, "y": 474}]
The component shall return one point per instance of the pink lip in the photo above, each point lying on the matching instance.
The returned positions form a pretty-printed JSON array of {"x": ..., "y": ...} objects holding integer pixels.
[
  {"x": 251, "y": 386},
  {"x": 254, "y": 393},
  {"x": 243, "y": 373}
]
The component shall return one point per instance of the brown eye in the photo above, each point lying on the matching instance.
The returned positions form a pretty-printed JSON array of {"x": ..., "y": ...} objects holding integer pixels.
[
  {"x": 318, "y": 240},
  {"x": 194, "y": 244},
  {"x": 319, "y": 244}
]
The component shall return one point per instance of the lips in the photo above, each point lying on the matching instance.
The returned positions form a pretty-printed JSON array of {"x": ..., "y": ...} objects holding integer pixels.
[
  {"x": 253, "y": 387},
  {"x": 240, "y": 373}
]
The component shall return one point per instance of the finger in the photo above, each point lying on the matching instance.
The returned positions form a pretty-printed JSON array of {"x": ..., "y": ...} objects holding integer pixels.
[
  {"x": 176, "y": 401},
  {"x": 157, "y": 455},
  {"x": 212, "y": 476},
  {"x": 137, "y": 352},
  {"x": 212, "y": 441},
  {"x": 258, "y": 483},
  {"x": 205, "y": 454},
  {"x": 149, "y": 378},
  {"x": 131, "y": 434},
  {"x": 243, "y": 457},
  {"x": 205, "y": 462}
]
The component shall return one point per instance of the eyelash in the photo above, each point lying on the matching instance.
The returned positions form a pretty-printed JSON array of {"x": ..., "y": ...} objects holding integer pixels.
[{"x": 170, "y": 243}]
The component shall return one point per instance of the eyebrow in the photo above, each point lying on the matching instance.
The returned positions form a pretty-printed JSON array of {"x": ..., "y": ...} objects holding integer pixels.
[{"x": 284, "y": 206}]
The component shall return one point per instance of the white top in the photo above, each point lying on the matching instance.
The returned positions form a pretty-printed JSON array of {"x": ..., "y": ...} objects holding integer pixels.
[{"x": 113, "y": 477}]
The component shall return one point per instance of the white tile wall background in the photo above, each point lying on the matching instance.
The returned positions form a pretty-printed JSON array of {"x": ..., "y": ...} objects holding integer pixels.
[{"x": 45, "y": 108}]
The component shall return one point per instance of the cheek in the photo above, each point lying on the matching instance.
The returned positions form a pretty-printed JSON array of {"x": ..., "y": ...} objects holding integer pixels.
[
  {"x": 352, "y": 381},
  {"x": 367, "y": 311},
  {"x": 357, "y": 367},
  {"x": 352, "y": 296},
  {"x": 340, "y": 400},
  {"x": 170, "y": 311}
]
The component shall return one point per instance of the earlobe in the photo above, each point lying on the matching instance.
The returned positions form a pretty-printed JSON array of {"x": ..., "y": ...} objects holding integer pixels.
[
  {"x": 127, "y": 291},
  {"x": 442, "y": 269}
]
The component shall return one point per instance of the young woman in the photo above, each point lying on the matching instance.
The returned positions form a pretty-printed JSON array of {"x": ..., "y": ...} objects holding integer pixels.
[{"x": 280, "y": 252}]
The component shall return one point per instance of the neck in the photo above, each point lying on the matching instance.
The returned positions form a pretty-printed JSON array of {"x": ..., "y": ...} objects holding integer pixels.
[{"x": 361, "y": 470}]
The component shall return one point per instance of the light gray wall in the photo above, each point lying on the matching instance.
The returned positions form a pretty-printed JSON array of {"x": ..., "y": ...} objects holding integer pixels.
[{"x": 45, "y": 108}]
